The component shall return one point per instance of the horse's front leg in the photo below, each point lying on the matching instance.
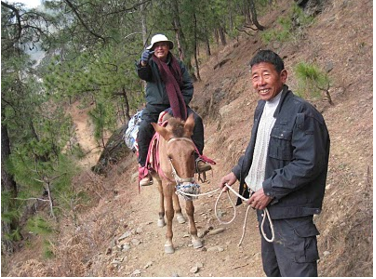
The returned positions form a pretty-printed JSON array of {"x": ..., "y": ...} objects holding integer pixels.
[
  {"x": 179, "y": 215},
  {"x": 161, "y": 221},
  {"x": 190, "y": 209},
  {"x": 169, "y": 247}
]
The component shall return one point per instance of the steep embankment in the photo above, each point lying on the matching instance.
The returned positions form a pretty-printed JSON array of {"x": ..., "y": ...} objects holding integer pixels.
[{"x": 340, "y": 41}]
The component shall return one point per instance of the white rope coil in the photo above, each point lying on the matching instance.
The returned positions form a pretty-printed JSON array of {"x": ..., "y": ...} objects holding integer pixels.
[{"x": 264, "y": 215}]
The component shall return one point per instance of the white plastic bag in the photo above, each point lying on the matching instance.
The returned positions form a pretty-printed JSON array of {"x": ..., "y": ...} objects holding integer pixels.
[{"x": 130, "y": 135}]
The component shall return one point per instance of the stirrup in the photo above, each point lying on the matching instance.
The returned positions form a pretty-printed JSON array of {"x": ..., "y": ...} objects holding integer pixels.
[{"x": 201, "y": 166}]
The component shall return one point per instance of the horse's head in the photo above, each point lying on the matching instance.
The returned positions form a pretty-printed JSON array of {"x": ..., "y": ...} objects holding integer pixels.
[{"x": 179, "y": 149}]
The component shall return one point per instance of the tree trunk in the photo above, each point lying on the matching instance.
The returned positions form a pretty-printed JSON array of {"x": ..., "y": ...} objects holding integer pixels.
[
  {"x": 126, "y": 102},
  {"x": 247, "y": 14},
  {"x": 114, "y": 151},
  {"x": 195, "y": 49},
  {"x": 7, "y": 185},
  {"x": 207, "y": 43},
  {"x": 254, "y": 15},
  {"x": 143, "y": 25},
  {"x": 216, "y": 36},
  {"x": 222, "y": 35},
  {"x": 180, "y": 40},
  {"x": 230, "y": 15}
]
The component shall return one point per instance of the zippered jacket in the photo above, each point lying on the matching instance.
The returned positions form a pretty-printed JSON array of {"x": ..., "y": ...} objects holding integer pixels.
[{"x": 297, "y": 158}]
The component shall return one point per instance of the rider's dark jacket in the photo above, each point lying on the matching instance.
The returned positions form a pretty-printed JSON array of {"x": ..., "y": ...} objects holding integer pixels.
[
  {"x": 156, "y": 94},
  {"x": 297, "y": 159}
]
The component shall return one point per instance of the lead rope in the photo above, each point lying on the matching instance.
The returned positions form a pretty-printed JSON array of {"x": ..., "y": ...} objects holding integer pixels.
[{"x": 265, "y": 213}]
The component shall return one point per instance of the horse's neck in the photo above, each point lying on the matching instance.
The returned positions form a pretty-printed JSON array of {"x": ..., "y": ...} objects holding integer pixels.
[{"x": 161, "y": 155}]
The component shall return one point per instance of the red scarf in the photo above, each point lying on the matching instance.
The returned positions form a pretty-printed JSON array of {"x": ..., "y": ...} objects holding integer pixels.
[{"x": 172, "y": 77}]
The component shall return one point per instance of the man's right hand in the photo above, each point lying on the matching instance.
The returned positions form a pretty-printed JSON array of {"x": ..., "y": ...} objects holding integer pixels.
[
  {"x": 145, "y": 56},
  {"x": 227, "y": 179}
]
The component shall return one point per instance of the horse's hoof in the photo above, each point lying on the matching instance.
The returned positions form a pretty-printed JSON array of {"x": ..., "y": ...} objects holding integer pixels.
[
  {"x": 197, "y": 243},
  {"x": 180, "y": 218},
  {"x": 169, "y": 249},
  {"x": 161, "y": 223}
]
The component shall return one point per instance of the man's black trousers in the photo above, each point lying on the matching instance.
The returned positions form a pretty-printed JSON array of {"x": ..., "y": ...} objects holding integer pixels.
[{"x": 294, "y": 251}]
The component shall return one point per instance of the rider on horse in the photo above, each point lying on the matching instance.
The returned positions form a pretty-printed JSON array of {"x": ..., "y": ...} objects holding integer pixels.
[{"x": 168, "y": 85}]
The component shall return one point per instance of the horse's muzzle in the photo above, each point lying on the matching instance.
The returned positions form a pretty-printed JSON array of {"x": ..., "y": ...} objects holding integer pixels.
[{"x": 188, "y": 190}]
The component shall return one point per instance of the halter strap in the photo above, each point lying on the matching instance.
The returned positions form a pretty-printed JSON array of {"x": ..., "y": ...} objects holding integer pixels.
[{"x": 182, "y": 138}]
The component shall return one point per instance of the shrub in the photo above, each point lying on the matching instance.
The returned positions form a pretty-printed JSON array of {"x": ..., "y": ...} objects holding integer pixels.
[{"x": 312, "y": 80}]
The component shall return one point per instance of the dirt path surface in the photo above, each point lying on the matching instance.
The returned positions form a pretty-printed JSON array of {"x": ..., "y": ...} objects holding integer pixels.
[
  {"x": 84, "y": 134},
  {"x": 144, "y": 253}
]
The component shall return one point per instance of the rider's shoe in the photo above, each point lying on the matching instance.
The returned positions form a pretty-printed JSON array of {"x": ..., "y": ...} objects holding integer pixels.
[{"x": 146, "y": 181}]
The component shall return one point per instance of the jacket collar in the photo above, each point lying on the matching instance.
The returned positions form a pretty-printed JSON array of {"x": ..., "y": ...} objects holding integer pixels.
[{"x": 285, "y": 92}]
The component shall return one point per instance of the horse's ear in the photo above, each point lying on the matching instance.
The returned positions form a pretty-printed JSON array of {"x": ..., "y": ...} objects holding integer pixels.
[
  {"x": 189, "y": 125},
  {"x": 161, "y": 130}
]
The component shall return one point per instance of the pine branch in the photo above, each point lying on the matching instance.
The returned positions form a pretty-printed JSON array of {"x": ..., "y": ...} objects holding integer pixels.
[{"x": 31, "y": 199}]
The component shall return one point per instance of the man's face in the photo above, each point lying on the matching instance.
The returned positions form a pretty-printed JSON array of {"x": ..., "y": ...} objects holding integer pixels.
[
  {"x": 267, "y": 81},
  {"x": 161, "y": 50}
]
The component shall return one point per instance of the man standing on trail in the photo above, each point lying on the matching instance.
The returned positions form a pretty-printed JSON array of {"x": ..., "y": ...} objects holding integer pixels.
[
  {"x": 284, "y": 168},
  {"x": 168, "y": 85}
]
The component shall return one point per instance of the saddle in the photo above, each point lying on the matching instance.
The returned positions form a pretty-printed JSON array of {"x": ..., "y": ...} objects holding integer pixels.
[{"x": 152, "y": 159}]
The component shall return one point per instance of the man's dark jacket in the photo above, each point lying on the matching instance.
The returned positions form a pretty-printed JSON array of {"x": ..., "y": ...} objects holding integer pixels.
[
  {"x": 297, "y": 160},
  {"x": 156, "y": 94}
]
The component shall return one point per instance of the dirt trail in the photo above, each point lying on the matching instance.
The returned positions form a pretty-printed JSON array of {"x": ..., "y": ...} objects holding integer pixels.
[
  {"x": 84, "y": 134},
  {"x": 220, "y": 256}
]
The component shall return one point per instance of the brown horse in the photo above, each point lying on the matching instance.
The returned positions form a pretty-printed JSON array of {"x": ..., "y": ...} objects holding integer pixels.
[{"x": 176, "y": 169}]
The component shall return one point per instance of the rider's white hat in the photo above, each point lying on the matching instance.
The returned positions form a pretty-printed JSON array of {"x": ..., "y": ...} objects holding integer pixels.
[{"x": 160, "y": 38}]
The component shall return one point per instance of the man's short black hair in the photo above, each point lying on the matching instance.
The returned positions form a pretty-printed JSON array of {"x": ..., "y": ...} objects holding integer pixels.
[{"x": 268, "y": 56}]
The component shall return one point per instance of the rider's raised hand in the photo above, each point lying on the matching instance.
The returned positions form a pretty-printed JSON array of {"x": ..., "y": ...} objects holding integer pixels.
[{"x": 146, "y": 56}]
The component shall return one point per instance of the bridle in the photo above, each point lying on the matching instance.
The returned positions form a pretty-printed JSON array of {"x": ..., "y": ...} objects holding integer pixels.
[{"x": 184, "y": 185}]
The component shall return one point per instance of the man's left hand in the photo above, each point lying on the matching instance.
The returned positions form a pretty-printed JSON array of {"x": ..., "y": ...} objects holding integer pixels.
[{"x": 259, "y": 200}]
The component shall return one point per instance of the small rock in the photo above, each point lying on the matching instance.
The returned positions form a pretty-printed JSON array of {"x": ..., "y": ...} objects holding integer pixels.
[
  {"x": 108, "y": 251},
  {"x": 220, "y": 213},
  {"x": 125, "y": 247},
  {"x": 174, "y": 274},
  {"x": 216, "y": 249},
  {"x": 116, "y": 262},
  {"x": 89, "y": 264},
  {"x": 138, "y": 230},
  {"x": 125, "y": 235},
  {"x": 329, "y": 66},
  {"x": 149, "y": 264},
  {"x": 326, "y": 253},
  {"x": 137, "y": 272},
  {"x": 194, "y": 269},
  {"x": 136, "y": 241},
  {"x": 216, "y": 231}
]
